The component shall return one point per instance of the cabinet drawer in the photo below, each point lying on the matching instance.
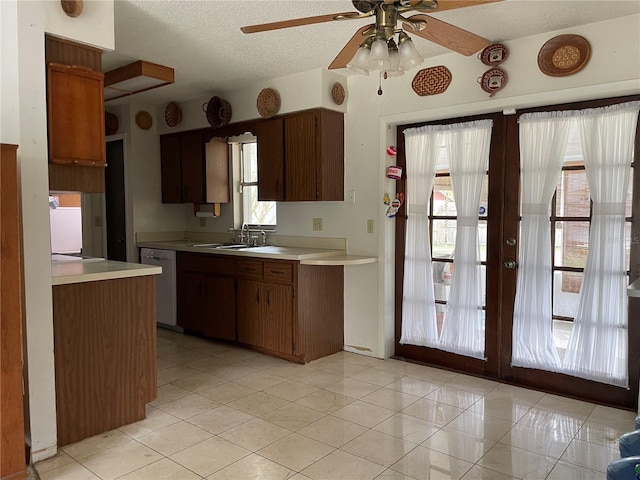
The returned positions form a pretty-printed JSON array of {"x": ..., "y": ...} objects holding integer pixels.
[
  {"x": 206, "y": 263},
  {"x": 278, "y": 272},
  {"x": 249, "y": 269}
]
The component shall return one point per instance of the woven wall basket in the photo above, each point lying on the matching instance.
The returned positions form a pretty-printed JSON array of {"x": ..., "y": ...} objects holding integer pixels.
[
  {"x": 268, "y": 102},
  {"x": 431, "y": 81}
]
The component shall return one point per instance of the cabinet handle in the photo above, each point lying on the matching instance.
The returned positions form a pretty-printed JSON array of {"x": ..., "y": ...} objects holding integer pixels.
[
  {"x": 269, "y": 298},
  {"x": 258, "y": 295}
]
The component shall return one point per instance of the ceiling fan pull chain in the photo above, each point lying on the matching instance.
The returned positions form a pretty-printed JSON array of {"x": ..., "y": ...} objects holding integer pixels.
[{"x": 380, "y": 83}]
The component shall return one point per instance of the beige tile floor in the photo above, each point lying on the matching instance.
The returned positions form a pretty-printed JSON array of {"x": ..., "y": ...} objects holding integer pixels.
[{"x": 225, "y": 413}]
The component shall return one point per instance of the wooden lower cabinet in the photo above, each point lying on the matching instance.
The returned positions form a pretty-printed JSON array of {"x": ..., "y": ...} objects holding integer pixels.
[
  {"x": 206, "y": 295},
  {"x": 265, "y": 315},
  {"x": 278, "y": 307}
]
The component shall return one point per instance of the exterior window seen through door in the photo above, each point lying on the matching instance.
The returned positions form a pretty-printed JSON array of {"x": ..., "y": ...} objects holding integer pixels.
[
  {"x": 443, "y": 220},
  {"x": 570, "y": 220}
]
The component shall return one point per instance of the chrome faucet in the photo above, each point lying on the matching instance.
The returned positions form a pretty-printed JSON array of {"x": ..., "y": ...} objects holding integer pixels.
[
  {"x": 245, "y": 237},
  {"x": 263, "y": 234}
]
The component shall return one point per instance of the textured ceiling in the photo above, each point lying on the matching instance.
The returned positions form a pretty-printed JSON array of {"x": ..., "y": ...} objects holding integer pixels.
[{"x": 202, "y": 41}]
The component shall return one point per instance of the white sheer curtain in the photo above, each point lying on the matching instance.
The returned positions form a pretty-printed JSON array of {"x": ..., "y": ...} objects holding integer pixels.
[
  {"x": 418, "y": 305},
  {"x": 468, "y": 150},
  {"x": 597, "y": 349},
  {"x": 543, "y": 142}
]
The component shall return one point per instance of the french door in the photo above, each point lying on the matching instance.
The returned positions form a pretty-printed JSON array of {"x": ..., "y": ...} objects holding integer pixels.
[{"x": 499, "y": 222}]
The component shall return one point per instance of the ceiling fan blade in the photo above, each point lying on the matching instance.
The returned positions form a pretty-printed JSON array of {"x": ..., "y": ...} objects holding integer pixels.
[
  {"x": 350, "y": 49},
  {"x": 449, "y": 36},
  {"x": 296, "y": 22},
  {"x": 453, "y": 4}
]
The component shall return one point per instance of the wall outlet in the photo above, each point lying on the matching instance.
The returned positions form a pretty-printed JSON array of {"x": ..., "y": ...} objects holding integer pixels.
[
  {"x": 352, "y": 196},
  {"x": 317, "y": 224},
  {"x": 203, "y": 222},
  {"x": 370, "y": 225}
]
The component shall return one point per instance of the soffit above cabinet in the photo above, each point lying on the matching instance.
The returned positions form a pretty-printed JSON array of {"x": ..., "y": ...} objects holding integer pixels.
[{"x": 136, "y": 77}]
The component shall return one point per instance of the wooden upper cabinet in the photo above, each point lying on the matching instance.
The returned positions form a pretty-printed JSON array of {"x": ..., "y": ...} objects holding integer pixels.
[
  {"x": 193, "y": 167},
  {"x": 271, "y": 159},
  {"x": 76, "y": 116},
  {"x": 170, "y": 163},
  {"x": 194, "y": 171},
  {"x": 301, "y": 157}
]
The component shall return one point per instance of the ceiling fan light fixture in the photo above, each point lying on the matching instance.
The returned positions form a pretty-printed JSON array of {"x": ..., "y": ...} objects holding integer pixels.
[
  {"x": 360, "y": 61},
  {"x": 379, "y": 57},
  {"x": 394, "y": 69},
  {"x": 409, "y": 56}
]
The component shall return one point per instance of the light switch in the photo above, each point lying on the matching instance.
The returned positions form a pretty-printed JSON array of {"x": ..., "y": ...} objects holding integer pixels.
[
  {"x": 370, "y": 225},
  {"x": 352, "y": 196},
  {"x": 317, "y": 224}
]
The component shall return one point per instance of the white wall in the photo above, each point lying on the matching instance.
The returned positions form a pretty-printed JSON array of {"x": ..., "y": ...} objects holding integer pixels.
[{"x": 27, "y": 110}]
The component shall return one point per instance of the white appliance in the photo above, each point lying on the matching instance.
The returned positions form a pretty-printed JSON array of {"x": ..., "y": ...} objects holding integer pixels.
[{"x": 165, "y": 285}]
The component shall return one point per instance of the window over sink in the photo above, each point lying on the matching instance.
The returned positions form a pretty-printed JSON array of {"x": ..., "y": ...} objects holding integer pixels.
[{"x": 249, "y": 210}]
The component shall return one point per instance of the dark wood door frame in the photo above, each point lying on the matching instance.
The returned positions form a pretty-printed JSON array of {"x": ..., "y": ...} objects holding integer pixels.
[{"x": 504, "y": 170}]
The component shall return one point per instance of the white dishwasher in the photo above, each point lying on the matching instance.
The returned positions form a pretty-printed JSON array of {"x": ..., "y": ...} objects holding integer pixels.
[{"x": 165, "y": 285}]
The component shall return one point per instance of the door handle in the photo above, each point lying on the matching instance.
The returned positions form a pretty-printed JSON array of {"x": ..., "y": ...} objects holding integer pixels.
[
  {"x": 511, "y": 241},
  {"x": 510, "y": 264}
]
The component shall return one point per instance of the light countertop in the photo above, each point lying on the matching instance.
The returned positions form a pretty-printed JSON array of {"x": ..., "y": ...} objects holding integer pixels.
[
  {"x": 90, "y": 271},
  {"x": 634, "y": 290},
  {"x": 306, "y": 256}
]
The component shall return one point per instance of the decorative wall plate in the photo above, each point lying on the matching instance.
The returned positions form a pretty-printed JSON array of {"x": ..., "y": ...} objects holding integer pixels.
[
  {"x": 144, "y": 120},
  {"x": 493, "y": 80},
  {"x": 564, "y": 55},
  {"x": 431, "y": 81},
  {"x": 172, "y": 114},
  {"x": 268, "y": 103},
  {"x": 494, "y": 54},
  {"x": 337, "y": 93}
]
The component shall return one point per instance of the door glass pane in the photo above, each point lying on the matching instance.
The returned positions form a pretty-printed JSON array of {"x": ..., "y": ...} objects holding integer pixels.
[
  {"x": 572, "y": 244},
  {"x": 561, "y": 334},
  {"x": 443, "y": 200},
  {"x": 572, "y": 194},
  {"x": 566, "y": 289},
  {"x": 482, "y": 235},
  {"x": 484, "y": 198},
  {"x": 483, "y": 283},
  {"x": 444, "y": 238},
  {"x": 627, "y": 211},
  {"x": 442, "y": 275},
  {"x": 627, "y": 244}
]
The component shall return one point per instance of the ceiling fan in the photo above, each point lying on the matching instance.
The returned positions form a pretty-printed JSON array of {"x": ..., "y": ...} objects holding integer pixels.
[{"x": 387, "y": 15}]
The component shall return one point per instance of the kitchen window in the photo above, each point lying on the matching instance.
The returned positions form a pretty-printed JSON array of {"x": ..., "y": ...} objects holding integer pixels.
[{"x": 257, "y": 214}]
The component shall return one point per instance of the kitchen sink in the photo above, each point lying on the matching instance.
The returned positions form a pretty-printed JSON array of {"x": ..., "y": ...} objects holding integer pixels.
[
  {"x": 207, "y": 245},
  {"x": 234, "y": 246}
]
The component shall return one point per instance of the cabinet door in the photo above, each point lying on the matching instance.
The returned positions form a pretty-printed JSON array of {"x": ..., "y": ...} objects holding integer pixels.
[
  {"x": 271, "y": 160},
  {"x": 300, "y": 163},
  {"x": 170, "y": 161},
  {"x": 219, "y": 308},
  {"x": 249, "y": 300},
  {"x": 277, "y": 317},
  {"x": 193, "y": 167},
  {"x": 190, "y": 305},
  {"x": 76, "y": 116}
]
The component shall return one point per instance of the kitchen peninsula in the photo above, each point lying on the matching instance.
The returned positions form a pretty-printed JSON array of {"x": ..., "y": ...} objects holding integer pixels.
[{"x": 104, "y": 345}]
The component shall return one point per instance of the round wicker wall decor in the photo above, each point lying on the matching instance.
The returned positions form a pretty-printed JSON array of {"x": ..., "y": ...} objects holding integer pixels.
[
  {"x": 172, "y": 114},
  {"x": 431, "y": 81},
  {"x": 268, "y": 103},
  {"x": 144, "y": 120},
  {"x": 337, "y": 93}
]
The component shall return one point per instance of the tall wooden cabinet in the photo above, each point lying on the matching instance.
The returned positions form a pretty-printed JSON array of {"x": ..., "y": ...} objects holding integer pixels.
[
  {"x": 301, "y": 157},
  {"x": 12, "y": 446},
  {"x": 76, "y": 116}
]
